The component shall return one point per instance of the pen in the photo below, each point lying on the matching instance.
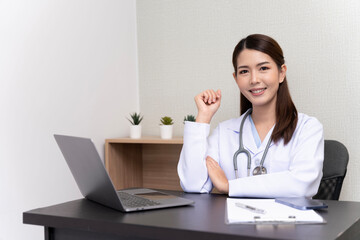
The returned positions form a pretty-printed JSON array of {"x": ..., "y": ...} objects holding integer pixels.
[{"x": 250, "y": 208}]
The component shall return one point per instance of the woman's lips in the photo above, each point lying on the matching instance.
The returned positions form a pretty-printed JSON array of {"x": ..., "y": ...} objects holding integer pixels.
[{"x": 257, "y": 91}]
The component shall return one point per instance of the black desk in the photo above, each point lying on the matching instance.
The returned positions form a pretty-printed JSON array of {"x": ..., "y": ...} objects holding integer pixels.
[{"x": 83, "y": 219}]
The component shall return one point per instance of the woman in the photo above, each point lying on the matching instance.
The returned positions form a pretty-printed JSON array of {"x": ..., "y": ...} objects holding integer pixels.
[{"x": 286, "y": 149}]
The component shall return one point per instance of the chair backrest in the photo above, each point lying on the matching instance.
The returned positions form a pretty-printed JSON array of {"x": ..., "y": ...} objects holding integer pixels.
[{"x": 336, "y": 158}]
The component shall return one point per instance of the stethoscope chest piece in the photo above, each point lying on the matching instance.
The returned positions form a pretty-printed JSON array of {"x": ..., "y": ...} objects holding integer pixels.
[{"x": 259, "y": 170}]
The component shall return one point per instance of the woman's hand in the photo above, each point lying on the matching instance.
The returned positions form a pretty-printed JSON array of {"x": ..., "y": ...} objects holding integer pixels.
[
  {"x": 217, "y": 175},
  {"x": 207, "y": 103}
]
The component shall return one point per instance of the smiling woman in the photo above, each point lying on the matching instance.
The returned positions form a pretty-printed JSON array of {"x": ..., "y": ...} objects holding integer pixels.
[
  {"x": 269, "y": 129},
  {"x": 270, "y": 69}
]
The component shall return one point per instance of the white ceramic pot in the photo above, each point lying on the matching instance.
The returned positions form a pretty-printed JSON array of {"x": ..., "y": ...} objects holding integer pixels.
[
  {"x": 135, "y": 131},
  {"x": 166, "y": 131}
]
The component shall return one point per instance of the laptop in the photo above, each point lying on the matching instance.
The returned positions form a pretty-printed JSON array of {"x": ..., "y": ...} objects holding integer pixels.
[{"x": 95, "y": 184}]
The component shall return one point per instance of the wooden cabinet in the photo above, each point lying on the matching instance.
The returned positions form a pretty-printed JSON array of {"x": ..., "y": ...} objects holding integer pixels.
[{"x": 148, "y": 162}]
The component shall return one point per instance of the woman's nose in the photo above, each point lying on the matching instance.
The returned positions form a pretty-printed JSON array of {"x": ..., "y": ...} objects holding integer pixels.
[{"x": 253, "y": 78}]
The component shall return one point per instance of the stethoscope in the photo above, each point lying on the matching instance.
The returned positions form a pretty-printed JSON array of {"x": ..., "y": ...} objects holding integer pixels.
[{"x": 259, "y": 170}]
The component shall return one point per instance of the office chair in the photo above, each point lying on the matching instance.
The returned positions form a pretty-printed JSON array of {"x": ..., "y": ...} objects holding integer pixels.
[{"x": 336, "y": 158}]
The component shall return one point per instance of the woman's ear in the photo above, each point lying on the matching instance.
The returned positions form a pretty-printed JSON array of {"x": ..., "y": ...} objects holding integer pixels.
[
  {"x": 234, "y": 75},
  {"x": 282, "y": 73}
]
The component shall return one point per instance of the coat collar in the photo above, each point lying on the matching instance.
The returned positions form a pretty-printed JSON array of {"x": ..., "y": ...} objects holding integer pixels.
[{"x": 248, "y": 138}]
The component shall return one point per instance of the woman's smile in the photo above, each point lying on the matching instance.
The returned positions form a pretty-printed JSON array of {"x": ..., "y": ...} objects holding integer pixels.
[{"x": 257, "y": 91}]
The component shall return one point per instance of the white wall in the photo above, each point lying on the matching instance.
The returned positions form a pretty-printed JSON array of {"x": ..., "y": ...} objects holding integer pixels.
[
  {"x": 186, "y": 46},
  {"x": 67, "y": 67}
]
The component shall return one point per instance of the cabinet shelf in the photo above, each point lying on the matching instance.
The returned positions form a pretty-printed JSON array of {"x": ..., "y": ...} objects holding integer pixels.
[
  {"x": 147, "y": 140},
  {"x": 149, "y": 162}
]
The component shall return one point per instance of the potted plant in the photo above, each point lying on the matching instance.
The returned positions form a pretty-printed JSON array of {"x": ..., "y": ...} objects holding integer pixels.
[
  {"x": 166, "y": 127},
  {"x": 189, "y": 118},
  {"x": 135, "y": 128}
]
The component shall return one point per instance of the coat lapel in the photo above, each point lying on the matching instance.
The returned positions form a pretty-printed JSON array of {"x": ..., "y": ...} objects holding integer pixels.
[{"x": 248, "y": 138}]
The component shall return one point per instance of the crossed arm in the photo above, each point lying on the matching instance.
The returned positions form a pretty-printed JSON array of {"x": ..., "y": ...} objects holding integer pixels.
[{"x": 217, "y": 175}]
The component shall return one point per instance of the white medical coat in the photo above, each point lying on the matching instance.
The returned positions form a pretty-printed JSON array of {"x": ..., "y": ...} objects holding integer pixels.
[{"x": 293, "y": 170}]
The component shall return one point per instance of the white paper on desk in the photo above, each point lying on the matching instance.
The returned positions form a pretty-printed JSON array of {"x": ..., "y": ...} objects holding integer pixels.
[{"x": 275, "y": 213}]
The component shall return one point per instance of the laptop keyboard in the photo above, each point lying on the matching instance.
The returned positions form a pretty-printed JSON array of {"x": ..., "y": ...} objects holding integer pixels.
[{"x": 133, "y": 201}]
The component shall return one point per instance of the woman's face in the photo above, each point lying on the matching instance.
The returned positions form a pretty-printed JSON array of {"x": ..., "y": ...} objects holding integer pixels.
[{"x": 258, "y": 77}]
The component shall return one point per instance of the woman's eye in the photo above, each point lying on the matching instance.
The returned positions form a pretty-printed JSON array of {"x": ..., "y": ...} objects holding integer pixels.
[
  {"x": 243, "y": 71},
  {"x": 264, "y": 68}
]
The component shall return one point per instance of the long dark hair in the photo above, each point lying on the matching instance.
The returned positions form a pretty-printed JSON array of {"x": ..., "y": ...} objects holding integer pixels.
[{"x": 286, "y": 113}]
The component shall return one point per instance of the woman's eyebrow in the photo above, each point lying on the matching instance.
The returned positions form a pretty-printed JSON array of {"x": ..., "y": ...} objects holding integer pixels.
[
  {"x": 242, "y": 67},
  {"x": 262, "y": 63},
  {"x": 259, "y": 64}
]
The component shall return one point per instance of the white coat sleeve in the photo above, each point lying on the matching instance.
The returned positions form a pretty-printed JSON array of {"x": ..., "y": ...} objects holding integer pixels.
[
  {"x": 301, "y": 179},
  {"x": 191, "y": 168}
]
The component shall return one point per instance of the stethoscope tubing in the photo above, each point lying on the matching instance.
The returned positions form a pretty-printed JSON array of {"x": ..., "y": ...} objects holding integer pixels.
[
  {"x": 243, "y": 150},
  {"x": 241, "y": 147}
]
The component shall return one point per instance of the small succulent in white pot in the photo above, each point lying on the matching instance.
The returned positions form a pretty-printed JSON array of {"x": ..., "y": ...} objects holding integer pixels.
[
  {"x": 166, "y": 127},
  {"x": 135, "y": 128},
  {"x": 189, "y": 118}
]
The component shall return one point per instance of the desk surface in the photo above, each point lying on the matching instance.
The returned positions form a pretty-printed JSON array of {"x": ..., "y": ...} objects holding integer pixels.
[{"x": 204, "y": 220}]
